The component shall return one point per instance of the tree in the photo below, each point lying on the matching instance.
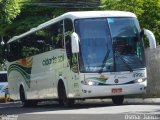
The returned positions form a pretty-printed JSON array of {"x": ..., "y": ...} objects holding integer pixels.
[
  {"x": 147, "y": 11},
  {"x": 30, "y": 17},
  {"x": 9, "y": 9},
  {"x": 150, "y": 18}
]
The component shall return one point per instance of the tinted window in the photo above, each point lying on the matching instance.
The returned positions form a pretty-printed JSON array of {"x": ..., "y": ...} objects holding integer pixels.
[
  {"x": 43, "y": 40},
  {"x": 54, "y": 35},
  {"x": 13, "y": 51},
  {"x": 68, "y": 31},
  {"x": 3, "y": 77},
  {"x": 128, "y": 46},
  {"x": 95, "y": 45}
]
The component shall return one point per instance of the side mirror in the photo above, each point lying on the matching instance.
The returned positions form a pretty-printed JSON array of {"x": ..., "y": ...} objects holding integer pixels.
[
  {"x": 151, "y": 37},
  {"x": 75, "y": 42}
]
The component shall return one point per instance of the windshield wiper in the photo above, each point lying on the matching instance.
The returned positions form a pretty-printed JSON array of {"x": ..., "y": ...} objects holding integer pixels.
[
  {"x": 124, "y": 61},
  {"x": 104, "y": 61}
]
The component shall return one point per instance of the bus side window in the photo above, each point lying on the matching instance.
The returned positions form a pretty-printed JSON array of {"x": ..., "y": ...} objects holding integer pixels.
[
  {"x": 30, "y": 46},
  {"x": 55, "y": 35},
  {"x": 14, "y": 49},
  {"x": 72, "y": 58},
  {"x": 59, "y": 36},
  {"x": 68, "y": 32}
]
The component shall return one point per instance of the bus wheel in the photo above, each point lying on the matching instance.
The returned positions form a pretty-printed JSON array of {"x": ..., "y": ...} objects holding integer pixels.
[
  {"x": 118, "y": 100},
  {"x": 63, "y": 100},
  {"x": 22, "y": 97},
  {"x": 26, "y": 103}
]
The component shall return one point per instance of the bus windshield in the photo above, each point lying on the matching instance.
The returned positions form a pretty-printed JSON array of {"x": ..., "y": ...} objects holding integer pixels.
[{"x": 110, "y": 44}]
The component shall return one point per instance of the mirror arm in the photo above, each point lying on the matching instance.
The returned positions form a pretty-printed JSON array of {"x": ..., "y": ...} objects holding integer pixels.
[
  {"x": 75, "y": 42},
  {"x": 151, "y": 37}
]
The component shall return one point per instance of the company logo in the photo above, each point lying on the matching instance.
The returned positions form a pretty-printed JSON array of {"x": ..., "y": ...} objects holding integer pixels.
[
  {"x": 137, "y": 75},
  {"x": 116, "y": 81},
  {"x": 103, "y": 77}
]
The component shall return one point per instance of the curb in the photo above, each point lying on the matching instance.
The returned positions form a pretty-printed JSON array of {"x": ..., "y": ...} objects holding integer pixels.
[
  {"x": 142, "y": 100},
  {"x": 126, "y": 100}
]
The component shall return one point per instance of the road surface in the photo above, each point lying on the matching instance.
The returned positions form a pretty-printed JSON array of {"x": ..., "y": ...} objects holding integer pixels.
[{"x": 82, "y": 111}]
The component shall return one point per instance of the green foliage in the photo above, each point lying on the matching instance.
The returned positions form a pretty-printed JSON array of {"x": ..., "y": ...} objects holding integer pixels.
[
  {"x": 30, "y": 16},
  {"x": 9, "y": 9},
  {"x": 150, "y": 18},
  {"x": 147, "y": 11}
]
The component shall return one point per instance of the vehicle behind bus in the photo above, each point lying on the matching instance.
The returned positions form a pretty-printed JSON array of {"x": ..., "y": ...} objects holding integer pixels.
[{"x": 3, "y": 85}]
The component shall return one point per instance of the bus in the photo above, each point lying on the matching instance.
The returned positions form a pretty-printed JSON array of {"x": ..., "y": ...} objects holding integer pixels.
[
  {"x": 78, "y": 55},
  {"x": 3, "y": 84}
]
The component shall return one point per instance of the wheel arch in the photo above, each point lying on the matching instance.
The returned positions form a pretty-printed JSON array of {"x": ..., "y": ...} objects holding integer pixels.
[{"x": 61, "y": 83}]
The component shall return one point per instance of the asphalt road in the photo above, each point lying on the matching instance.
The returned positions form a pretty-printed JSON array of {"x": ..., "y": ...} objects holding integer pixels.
[{"x": 82, "y": 111}]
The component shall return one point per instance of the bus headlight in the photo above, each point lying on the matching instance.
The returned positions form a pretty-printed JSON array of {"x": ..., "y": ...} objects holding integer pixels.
[
  {"x": 140, "y": 80},
  {"x": 91, "y": 83}
]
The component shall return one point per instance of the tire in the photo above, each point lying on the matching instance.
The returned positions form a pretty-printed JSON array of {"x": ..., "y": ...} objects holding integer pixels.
[
  {"x": 26, "y": 103},
  {"x": 63, "y": 100},
  {"x": 118, "y": 100}
]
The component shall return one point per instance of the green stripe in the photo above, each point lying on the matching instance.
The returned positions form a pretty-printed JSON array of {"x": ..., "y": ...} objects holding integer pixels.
[{"x": 24, "y": 74}]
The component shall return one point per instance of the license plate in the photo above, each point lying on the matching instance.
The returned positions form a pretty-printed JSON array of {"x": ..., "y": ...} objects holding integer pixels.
[{"x": 116, "y": 90}]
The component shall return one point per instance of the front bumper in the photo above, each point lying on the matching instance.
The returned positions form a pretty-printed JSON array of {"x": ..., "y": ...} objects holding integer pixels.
[{"x": 114, "y": 90}]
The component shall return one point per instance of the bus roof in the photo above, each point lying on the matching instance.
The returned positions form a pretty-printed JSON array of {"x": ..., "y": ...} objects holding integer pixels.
[
  {"x": 76, "y": 15},
  {"x": 92, "y": 14}
]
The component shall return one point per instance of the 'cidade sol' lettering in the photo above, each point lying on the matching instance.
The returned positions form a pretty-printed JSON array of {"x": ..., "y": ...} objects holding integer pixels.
[{"x": 53, "y": 60}]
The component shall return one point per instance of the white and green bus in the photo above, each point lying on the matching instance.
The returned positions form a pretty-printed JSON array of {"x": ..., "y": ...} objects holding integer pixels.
[{"x": 78, "y": 55}]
